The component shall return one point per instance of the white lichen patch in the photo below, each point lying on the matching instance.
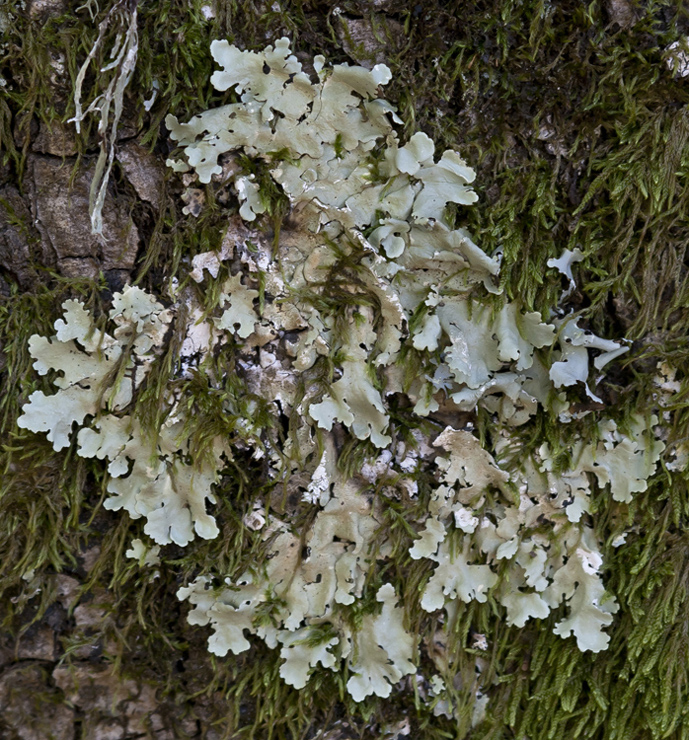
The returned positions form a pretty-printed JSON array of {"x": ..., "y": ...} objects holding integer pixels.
[
  {"x": 100, "y": 371},
  {"x": 95, "y": 374},
  {"x": 369, "y": 318},
  {"x": 147, "y": 556}
]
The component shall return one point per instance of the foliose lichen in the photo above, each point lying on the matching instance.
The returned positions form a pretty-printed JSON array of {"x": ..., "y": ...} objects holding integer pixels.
[{"x": 372, "y": 316}]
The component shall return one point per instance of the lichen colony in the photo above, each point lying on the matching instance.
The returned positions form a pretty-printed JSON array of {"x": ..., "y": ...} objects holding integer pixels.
[{"x": 369, "y": 320}]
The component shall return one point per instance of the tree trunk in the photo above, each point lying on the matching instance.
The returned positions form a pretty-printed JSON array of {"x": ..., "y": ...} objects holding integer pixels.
[{"x": 574, "y": 117}]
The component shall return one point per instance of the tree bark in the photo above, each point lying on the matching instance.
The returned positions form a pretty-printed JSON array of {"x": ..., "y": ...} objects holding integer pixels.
[{"x": 576, "y": 123}]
